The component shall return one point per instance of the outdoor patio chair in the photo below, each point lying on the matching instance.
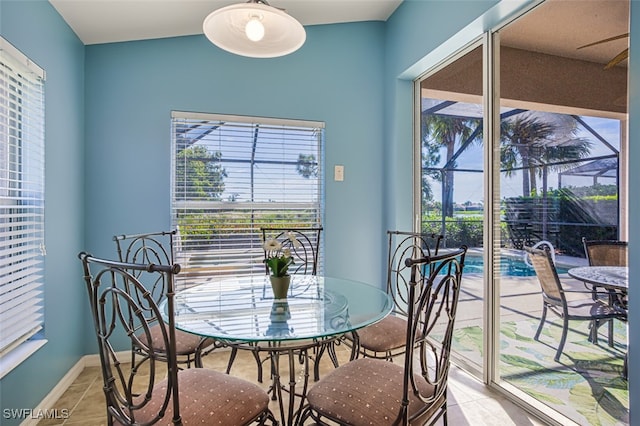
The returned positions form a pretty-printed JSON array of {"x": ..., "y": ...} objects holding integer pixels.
[
  {"x": 554, "y": 299},
  {"x": 304, "y": 245},
  {"x": 370, "y": 391},
  {"x": 605, "y": 253},
  {"x": 386, "y": 338},
  {"x": 149, "y": 388},
  {"x": 157, "y": 248}
]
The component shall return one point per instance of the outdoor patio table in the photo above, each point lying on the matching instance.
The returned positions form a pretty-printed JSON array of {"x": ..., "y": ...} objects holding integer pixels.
[
  {"x": 242, "y": 312},
  {"x": 615, "y": 279}
]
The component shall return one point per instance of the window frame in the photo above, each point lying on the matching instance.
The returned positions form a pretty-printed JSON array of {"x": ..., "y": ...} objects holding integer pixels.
[
  {"x": 22, "y": 193},
  {"x": 236, "y": 248}
]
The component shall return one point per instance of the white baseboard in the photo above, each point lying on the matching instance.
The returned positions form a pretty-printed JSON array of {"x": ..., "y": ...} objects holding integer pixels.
[{"x": 48, "y": 402}]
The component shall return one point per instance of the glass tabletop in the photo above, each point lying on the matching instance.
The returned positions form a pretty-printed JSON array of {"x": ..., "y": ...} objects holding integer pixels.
[{"x": 243, "y": 308}]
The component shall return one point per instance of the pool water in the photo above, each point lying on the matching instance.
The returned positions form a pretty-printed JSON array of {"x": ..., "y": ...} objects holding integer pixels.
[{"x": 509, "y": 266}]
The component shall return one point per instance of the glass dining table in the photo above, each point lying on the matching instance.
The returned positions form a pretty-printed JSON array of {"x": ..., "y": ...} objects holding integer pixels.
[{"x": 241, "y": 312}]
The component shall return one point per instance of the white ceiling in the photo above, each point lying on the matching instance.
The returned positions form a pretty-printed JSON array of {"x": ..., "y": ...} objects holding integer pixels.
[
  {"x": 107, "y": 21},
  {"x": 556, "y": 27}
]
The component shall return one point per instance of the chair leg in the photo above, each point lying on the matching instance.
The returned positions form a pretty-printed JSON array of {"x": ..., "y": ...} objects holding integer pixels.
[
  {"x": 563, "y": 339},
  {"x": 232, "y": 358},
  {"x": 441, "y": 413},
  {"x": 197, "y": 360},
  {"x": 611, "y": 332},
  {"x": 542, "y": 319},
  {"x": 593, "y": 331}
]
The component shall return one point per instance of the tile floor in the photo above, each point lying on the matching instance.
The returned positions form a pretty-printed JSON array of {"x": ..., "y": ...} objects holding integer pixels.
[{"x": 470, "y": 403}]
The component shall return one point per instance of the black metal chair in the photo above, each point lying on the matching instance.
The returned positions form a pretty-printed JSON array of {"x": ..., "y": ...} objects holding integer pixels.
[
  {"x": 303, "y": 243},
  {"x": 304, "y": 246},
  {"x": 386, "y": 339},
  {"x": 554, "y": 299},
  {"x": 148, "y": 388},
  {"x": 157, "y": 248},
  {"x": 370, "y": 391}
]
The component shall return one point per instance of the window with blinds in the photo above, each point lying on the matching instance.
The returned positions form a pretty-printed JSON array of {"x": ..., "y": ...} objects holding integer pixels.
[
  {"x": 21, "y": 198},
  {"x": 232, "y": 175}
]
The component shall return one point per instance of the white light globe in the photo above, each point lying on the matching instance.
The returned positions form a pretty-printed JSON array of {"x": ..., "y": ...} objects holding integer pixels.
[
  {"x": 254, "y": 29},
  {"x": 280, "y": 33}
]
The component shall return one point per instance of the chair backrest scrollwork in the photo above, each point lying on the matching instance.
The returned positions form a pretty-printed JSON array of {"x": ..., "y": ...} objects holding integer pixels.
[
  {"x": 303, "y": 243},
  {"x": 150, "y": 248},
  {"x": 123, "y": 309},
  {"x": 434, "y": 290},
  {"x": 403, "y": 245}
]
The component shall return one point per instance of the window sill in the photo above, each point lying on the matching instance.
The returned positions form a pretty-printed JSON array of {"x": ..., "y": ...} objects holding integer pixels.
[{"x": 18, "y": 355}]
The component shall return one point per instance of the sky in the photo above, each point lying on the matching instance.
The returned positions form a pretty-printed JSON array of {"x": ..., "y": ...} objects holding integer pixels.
[
  {"x": 469, "y": 187},
  {"x": 269, "y": 166},
  {"x": 281, "y": 144}
]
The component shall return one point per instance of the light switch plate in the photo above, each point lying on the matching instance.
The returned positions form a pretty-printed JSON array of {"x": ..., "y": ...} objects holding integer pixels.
[{"x": 338, "y": 173}]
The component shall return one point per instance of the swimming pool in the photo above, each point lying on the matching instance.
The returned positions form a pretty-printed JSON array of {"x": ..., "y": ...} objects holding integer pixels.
[{"x": 509, "y": 265}]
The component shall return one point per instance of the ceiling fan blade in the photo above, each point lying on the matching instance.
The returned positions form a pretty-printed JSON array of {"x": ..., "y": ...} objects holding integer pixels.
[
  {"x": 618, "y": 37},
  {"x": 619, "y": 58}
]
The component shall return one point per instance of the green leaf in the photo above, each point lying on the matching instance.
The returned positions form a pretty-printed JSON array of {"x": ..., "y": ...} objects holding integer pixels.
[
  {"x": 468, "y": 338},
  {"x": 542, "y": 396}
]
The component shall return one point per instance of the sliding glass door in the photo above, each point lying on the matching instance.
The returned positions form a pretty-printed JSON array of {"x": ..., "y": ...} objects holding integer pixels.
[
  {"x": 543, "y": 163},
  {"x": 561, "y": 141},
  {"x": 452, "y": 189}
]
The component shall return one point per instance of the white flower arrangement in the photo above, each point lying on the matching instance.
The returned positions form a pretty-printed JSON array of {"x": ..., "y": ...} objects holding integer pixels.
[{"x": 278, "y": 259}]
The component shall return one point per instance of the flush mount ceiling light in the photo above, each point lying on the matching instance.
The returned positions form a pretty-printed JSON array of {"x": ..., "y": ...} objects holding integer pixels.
[{"x": 254, "y": 29}]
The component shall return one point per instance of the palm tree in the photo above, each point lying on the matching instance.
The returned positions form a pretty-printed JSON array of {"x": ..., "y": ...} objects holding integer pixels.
[
  {"x": 535, "y": 145},
  {"x": 448, "y": 131},
  {"x": 430, "y": 156}
]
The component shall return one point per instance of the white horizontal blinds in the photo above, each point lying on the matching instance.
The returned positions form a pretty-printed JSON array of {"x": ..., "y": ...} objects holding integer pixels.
[
  {"x": 21, "y": 198},
  {"x": 232, "y": 176}
]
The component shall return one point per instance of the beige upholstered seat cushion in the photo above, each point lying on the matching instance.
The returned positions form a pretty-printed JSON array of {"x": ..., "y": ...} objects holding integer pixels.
[
  {"x": 208, "y": 397},
  {"x": 186, "y": 343},
  {"x": 388, "y": 334},
  {"x": 365, "y": 392}
]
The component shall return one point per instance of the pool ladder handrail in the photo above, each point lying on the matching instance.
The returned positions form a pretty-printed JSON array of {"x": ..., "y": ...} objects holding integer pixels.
[{"x": 537, "y": 245}]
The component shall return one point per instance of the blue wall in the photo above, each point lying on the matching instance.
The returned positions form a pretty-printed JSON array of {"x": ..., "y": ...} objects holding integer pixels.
[
  {"x": 113, "y": 178},
  {"x": 131, "y": 89},
  {"x": 412, "y": 33},
  {"x": 38, "y": 31}
]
